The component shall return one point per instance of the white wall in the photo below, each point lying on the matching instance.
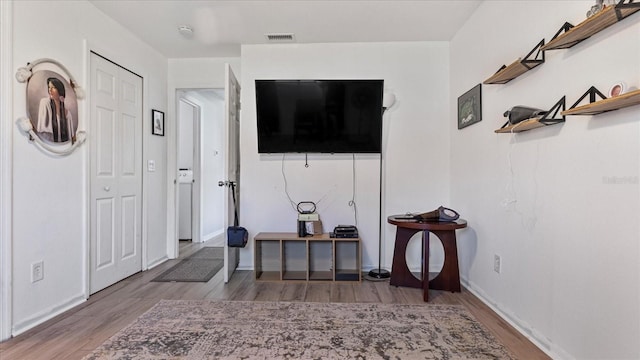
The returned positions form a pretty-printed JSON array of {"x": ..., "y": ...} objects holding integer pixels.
[
  {"x": 50, "y": 209},
  {"x": 415, "y": 142},
  {"x": 559, "y": 204},
  {"x": 186, "y": 121}
]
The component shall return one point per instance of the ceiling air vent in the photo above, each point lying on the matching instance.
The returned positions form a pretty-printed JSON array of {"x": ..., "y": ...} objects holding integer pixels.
[{"x": 280, "y": 37}]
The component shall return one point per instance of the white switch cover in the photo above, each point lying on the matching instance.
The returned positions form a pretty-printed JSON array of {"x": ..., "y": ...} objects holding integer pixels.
[{"x": 151, "y": 165}]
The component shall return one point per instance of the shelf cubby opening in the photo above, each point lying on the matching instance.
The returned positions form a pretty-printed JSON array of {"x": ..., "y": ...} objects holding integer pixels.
[{"x": 294, "y": 254}]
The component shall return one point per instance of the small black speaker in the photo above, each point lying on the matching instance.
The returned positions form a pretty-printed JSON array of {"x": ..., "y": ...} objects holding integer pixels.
[{"x": 302, "y": 228}]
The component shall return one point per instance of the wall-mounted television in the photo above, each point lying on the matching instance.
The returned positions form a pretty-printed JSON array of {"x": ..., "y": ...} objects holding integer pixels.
[{"x": 319, "y": 116}]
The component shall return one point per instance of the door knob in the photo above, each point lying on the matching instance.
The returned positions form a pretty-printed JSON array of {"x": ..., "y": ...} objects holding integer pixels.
[{"x": 106, "y": 188}]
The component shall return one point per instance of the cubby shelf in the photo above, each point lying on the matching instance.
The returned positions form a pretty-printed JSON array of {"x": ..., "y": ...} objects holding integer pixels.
[
  {"x": 614, "y": 103},
  {"x": 518, "y": 67},
  {"x": 572, "y": 35},
  {"x": 288, "y": 257}
]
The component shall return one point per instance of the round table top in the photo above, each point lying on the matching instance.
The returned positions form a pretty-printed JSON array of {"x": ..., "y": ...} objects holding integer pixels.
[{"x": 404, "y": 221}]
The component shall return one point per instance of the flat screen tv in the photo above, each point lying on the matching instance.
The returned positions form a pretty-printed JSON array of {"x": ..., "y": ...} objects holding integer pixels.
[{"x": 319, "y": 116}]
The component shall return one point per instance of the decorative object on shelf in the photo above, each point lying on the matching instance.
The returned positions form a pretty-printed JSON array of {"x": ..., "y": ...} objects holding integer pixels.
[
  {"x": 518, "y": 67},
  {"x": 157, "y": 122},
  {"x": 617, "y": 89},
  {"x": 52, "y": 107},
  {"x": 306, "y": 212},
  {"x": 596, "y": 8},
  {"x": 442, "y": 214},
  {"x": 595, "y": 107},
  {"x": 470, "y": 107},
  {"x": 520, "y": 113},
  {"x": 549, "y": 118},
  {"x": 570, "y": 35}
]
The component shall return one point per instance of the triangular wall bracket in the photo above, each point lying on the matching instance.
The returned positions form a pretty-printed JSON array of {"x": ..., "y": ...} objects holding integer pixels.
[
  {"x": 592, "y": 92},
  {"x": 506, "y": 73},
  {"x": 624, "y": 5},
  {"x": 551, "y": 117},
  {"x": 531, "y": 62},
  {"x": 563, "y": 29}
]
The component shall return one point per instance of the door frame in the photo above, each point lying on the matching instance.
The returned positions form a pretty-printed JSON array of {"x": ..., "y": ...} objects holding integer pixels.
[
  {"x": 6, "y": 175},
  {"x": 107, "y": 54},
  {"x": 206, "y": 74},
  {"x": 196, "y": 195}
]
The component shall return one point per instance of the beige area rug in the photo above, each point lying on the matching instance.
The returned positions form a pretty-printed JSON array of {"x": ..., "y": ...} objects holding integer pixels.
[{"x": 184, "y": 329}]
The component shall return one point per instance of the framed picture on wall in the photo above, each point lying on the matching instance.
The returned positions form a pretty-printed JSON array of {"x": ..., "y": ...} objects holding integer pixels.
[
  {"x": 157, "y": 124},
  {"x": 470, "y": 107}
]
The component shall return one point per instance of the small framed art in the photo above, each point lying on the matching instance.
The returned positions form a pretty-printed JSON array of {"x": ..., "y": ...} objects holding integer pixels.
[
  {"x": 470, "y": 107},
  {"x": 157, "y": 124}
]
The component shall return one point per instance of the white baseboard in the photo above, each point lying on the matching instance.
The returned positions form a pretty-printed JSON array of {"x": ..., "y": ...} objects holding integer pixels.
[
  {"x": 46, "y": 315},
  {"x": 157, "y": 262},
  {"x": 539, "y": 340},
  {"x": 214, "y": 235}
]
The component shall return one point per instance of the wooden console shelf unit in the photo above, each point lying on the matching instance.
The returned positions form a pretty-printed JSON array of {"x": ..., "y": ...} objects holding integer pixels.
[
  {"x": 614, "y": 103},
  {"x": 286, "y": 256},
  {"x": 591, "y": 26}
]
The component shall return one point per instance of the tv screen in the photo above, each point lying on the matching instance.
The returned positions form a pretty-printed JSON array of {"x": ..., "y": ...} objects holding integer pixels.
[{"x": 319, "y": 116}]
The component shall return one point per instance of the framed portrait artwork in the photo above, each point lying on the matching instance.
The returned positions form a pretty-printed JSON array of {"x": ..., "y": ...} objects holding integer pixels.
[
  {"x": 157, "y": 124},
  {"x": 470, "y": 107},
  {"x": 52, "y": 107}
]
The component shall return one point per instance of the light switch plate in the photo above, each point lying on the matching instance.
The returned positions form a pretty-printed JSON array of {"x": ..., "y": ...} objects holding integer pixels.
[{"x": 151, "y": 165}]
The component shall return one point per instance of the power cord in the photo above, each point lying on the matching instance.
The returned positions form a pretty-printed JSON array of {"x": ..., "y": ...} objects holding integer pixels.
[{"x": 352, "y": 202}]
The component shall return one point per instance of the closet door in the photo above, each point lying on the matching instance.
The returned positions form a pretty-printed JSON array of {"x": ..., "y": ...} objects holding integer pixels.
[{"x": 116, "y": 173}]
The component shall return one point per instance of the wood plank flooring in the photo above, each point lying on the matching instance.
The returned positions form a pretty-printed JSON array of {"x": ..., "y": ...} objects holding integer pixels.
[{"x": 75, "y": 333}]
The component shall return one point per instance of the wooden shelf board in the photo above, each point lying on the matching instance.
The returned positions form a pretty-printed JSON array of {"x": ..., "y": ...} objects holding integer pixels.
[
  {"x": 511, "y": 72},
  {"x": 621, "y": 101},
  {"x": 294, "y": 275},
  {"x": 347, "y": 275},
  {"x": 521, "y": 126},
  {"x": 321, "y": 275},
  {"x": 269, "y": 276},
  {"x": 587, "y": 28}
]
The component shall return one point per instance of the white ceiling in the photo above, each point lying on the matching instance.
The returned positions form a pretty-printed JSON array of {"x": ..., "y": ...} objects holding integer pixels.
[{"x": 220, "y": 27}]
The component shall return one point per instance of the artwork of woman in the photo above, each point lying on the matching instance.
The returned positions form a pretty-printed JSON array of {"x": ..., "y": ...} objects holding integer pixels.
[{"x": 55, "y": 122}]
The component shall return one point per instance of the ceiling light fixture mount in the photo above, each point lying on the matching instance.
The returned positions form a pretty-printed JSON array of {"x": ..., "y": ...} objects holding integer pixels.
[{"x": 186, "y": 31}]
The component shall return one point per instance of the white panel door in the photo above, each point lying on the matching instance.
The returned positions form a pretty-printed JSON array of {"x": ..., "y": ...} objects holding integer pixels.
[
  {"x": 116, "y": 174},
  {"x": 232, "y": 165}
]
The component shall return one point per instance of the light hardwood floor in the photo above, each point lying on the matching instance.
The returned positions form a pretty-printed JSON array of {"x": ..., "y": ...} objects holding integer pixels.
[{"x": 78, "y": 331}]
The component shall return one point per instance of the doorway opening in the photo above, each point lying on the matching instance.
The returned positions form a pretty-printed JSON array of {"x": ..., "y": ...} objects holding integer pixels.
[{"x": 200, "y": 156}]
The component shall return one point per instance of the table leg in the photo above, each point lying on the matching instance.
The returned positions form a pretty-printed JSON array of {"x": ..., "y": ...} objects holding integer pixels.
[
  {"x": 425, "y": 266},
  {"x": 449, "y": 276},
  {"x": 400, "y": 274}
]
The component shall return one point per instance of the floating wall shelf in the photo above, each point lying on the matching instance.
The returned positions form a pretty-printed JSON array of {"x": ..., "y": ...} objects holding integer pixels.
[
  {"x": 598, "y": 107},
  {"x": 550, "y": 118},
  {"x": 518, "y": 67},
  {"x": 570, "y": 35}
]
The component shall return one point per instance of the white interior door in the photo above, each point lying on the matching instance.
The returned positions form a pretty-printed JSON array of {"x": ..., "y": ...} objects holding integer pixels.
[
  {"x": 232, "y": 165},
  {"x": 116, "y": 174}
]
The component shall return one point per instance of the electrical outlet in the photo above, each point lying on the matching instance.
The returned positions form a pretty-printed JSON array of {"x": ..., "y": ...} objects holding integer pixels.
[
  {"x": 497, "y": 263},
  {"x": 37, "y": 271}
]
